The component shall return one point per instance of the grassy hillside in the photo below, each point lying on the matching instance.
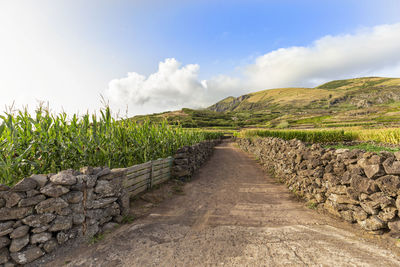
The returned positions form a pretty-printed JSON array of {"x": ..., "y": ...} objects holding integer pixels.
[{"x": 369, "y": 102}]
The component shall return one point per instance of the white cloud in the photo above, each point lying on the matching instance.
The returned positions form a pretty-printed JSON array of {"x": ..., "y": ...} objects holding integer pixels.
[
  {"x": 370, "y": 51},
  {"x": 367, "y": 52},
  {"x": 170, "y": 87}
]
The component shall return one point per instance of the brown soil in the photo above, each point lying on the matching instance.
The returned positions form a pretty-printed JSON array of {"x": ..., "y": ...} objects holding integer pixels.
[{"x": 230, "y": 214}]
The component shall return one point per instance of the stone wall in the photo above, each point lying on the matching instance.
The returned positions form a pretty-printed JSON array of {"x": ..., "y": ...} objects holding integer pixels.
[
  {"x": 189, "y": 158},
  {"x": 360, "y": 187},
  {"x": 42, "y": 212}
]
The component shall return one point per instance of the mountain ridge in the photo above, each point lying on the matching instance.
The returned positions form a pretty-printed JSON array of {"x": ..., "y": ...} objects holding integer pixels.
[
  {"x": 336, "y": 91},
  {"x": 366, "y": 102}
]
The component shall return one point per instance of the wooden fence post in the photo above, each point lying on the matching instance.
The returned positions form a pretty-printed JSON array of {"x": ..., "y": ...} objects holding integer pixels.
[{"x": 150, "y": 184}]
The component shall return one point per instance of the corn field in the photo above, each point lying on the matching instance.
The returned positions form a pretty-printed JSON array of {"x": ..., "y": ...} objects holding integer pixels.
[
  {"x": 47, "y": 143},
  {"x": 311, "y": 136},
  {"x": 384, "y": 135}
]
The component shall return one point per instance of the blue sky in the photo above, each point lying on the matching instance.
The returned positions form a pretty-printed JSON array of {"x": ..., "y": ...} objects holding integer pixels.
[{"x": 70, "y": 52}]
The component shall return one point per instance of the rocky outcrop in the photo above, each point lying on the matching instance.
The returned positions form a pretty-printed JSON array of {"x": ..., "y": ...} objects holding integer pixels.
[
  {"x": 360, "y": 187},
  {"x": 228, "y": 104}
]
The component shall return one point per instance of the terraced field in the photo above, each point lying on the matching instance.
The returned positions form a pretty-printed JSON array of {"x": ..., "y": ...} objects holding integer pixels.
[{"x": 369, "y": 102}]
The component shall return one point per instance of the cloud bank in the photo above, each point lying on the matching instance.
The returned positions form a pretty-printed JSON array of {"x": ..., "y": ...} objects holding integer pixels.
[
  {"x": 170, "y": 87},
  {"x": 368, "y": 52}
]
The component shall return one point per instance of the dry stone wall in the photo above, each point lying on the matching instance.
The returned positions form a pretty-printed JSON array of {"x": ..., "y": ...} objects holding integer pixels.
[
  {"x": 360, "y": 187},
  {"x": 42, "y": 212},
  {"x": 189, "y": 158}
]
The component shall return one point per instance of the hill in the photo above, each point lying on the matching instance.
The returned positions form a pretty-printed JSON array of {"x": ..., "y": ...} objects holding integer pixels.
[{"x": 361, "y": 101}]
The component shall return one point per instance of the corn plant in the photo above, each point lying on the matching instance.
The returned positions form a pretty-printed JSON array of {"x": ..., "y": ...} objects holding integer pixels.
[{"x": 47, "y": 143}]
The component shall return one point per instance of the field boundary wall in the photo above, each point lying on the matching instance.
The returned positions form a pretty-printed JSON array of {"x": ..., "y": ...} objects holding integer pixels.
[
  {"x": 42, "y": 212},
  {"x": 357, "y": 186}
]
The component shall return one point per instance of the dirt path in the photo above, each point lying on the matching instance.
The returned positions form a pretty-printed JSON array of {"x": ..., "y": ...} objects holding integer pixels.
[{"x": 233, "y": 214}]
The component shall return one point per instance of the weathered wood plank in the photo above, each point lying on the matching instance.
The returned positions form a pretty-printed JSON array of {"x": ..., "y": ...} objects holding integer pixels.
[
  {"x": 161, "y": 174},
  {"x": 156, "y": 168},
  {"x": 162, "y": 180},
  {"x": 160, "y": 171},
  {"x": 139, "y": 176},
  {"x": 137, "y": 191},
  {"x": 136, "y": 186},
  {"x": 129, "y": 182},
  {"x": 160, "y": 177},
  {"x": 138, "y": 167},
  {"x": 138, "y": 173},
  {"x": 140, "y": 184}
]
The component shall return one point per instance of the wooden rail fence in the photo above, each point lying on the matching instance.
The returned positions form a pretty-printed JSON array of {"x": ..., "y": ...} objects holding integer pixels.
[{"x": 144, "y": 176}]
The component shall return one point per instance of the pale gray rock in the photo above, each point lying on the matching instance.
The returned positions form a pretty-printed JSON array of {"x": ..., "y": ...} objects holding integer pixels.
[
  {"x": 40, "y": 229},
  {"x": 40, "y": 179},
  {"x": 6, "y": 232},
  {"x": 53, "y": 190},
  {"x": 12, "y": 198},
  {"x": 61, "y": 223},
  {"x": 101, "y": 203},
  {"x": 51, "y": 205},
  {"x": 31, "y": 201},
  {"x": 14, "y": 213},
  {"x": 39, "y": 220},
  {"x": 387, "y": 214},
  {"x": 64, "y": 178},
  {"x": 19, "y": 243},
  {"x": 24, "y": 185},
  {"x": 40, "y": 238},
  {"x": 32, "y": 193},
  {"x": 20, "y": 232},
  {"x": 73, "y": 197},
  {"x": 28, "y": 255},
  {"x": 106, "y": 189},
  {"x": 373, "y": 223},
  {"x": 6, "y": 228}
]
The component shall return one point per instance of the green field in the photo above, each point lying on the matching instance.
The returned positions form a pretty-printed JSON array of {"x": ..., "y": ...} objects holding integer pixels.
[
  {"x": 376, "y": 140},
  {"x": 370, "y": 102},
  {"x": 47, "y": 143},
  {"x": 309, "y": 136}
]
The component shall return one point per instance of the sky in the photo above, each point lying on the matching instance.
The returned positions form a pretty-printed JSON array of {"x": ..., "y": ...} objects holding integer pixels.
[{"x": 152, "y": 56}]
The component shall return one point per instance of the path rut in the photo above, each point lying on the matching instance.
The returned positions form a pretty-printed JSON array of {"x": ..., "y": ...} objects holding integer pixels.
[{"x": 233, "y": 214}]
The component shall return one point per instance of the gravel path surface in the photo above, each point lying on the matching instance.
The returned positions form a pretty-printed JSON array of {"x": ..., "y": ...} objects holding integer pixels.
[{"x": 233, "y": 214}]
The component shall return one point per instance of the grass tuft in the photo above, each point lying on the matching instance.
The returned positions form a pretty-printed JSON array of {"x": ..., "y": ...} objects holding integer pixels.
[
  {"x": 96, "y": 238},
  {"x": 126, "y": 219},
  {"x": 311, "y": 205}
]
